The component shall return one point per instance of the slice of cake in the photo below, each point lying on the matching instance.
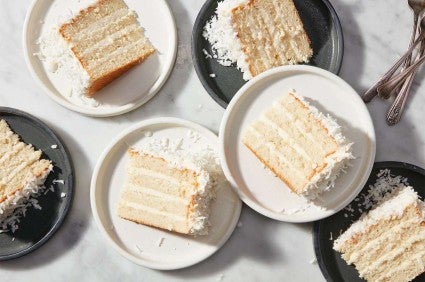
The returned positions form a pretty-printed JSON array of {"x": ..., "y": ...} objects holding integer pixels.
[
  {"x": 258, "y": 35},
  {"x": 388, "y": 244},
  {"x": 98, "y": 45},
  {"x": 169, "y": 189},
  {"x": 304, "y": 148},
  {"x": 22, "y": 174}
]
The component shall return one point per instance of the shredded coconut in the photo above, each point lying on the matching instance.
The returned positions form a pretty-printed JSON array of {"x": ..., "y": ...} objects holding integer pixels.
[
  {"x": 63, "y": 195},
  {"x": 59, "y": 59},
  {"x": 388, "y": 197},
  {"x": 54, "y": 146},
  {"x": 15, "y": 206},
  {"x": 160, "y": 241},
  {"x": 60, "y": 181},
  {"x": 225, "y": 46}
]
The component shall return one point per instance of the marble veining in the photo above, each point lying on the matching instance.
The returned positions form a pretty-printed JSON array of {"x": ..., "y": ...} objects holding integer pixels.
[{"x": 376, "y": 33}]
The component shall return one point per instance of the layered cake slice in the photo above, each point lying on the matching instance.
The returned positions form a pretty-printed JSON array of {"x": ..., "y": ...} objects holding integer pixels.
[
  {"x": 258, "y": 35},
  {"x": 388, "y": 243},
  {"x": 22, "y": 174},
  {"x": 98, "y": 45},
  {"x": 169, "y": 189},
  {"x": 303, "y": 147}
]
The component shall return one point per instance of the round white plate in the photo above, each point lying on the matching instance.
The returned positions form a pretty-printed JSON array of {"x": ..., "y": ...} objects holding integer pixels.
[
  {"x": 140, "y": 243},
  {"x": 126, "y": 93},
  {"x": 256, "y": 185}
]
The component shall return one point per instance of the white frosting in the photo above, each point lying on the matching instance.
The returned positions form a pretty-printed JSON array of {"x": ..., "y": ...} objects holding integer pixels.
[
  {"x": 15, "y": 206},
  {"x": 393, "y": 206},
  {"x": 59, "y": 59},
  {"x": 204, "y": 162},
  {"x": 336, "y": 162},
  {"x": 219, "y": 31}
]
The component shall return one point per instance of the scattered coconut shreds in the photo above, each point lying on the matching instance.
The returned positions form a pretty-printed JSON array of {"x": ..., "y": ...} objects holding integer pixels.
[
  {"x": 160, "y": 241},
  {"x": 60, "y": 181},
  {"x": 385, "y": 184},
  {"x": 13, "y": 239},
  {"x": 213, "y": 75},
  {"x": 331, "y": 237},
  {"x": 139, "y": 249},
  {"x": 148, "y": 134},
  {"x": 63, "y": 195},
  {"x": 313, "y": 261},
  {"x": 207, "y": 55},
  {"x": 11, "y": 223},
  {"x": 54, "y": 146}
]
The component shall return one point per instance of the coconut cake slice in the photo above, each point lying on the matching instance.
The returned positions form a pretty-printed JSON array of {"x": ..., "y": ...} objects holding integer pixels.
[
  {"x": 169, "y": 189},
  {"x": 96, "y": 46},
  {"x": 388, "y": 243},
  {"x": 303, "y": 147}
]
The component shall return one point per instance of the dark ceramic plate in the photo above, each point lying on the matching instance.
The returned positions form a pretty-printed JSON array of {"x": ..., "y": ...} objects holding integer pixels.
[
  {"x": 333, "y": 267},
  {"x": 39, "y": 225},
  {"x": 320, "y": 21}
]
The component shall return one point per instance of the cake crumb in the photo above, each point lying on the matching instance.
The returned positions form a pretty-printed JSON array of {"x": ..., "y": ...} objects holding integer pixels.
[
  {"x": 239, "y": 224},
  {"x": 313, "y": 261},
  {"x": 63, "y": 195},
  {"x": 331, "y": 238},
  {"x": 60, "y": 181},
  {"x": 148, "y": 134},
  {"x": 207, "y": 55},
  {"x": 54, "y": 146},
  {"x": 160, "y": 241},
  {"x": 212, "y": 75},
  {"x": 13, "y": 239}
]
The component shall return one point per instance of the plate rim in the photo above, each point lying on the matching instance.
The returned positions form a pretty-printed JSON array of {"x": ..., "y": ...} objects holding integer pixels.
[
  {"x": 229, "y": 111},
  {"x": 71, "y": 180},
  {"x": 93, "y": 189},
  {"x": 169, "y": 66},
  {"x": 318, "y": 224},
  {"x": 196, "y": 30}
]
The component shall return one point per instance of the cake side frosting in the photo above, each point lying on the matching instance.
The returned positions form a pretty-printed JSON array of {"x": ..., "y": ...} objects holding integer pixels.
[
  {"x": 392, "y": 206},
  {"x": 219, "y": 31},
  {"x": 336, "y": 162}
]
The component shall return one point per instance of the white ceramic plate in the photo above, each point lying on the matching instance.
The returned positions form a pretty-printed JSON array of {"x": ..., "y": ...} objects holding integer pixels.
[
  {"x": 139, "y": 243},
  {"x": 126, "y": 93},
  {"x": 256, "y": 185}
]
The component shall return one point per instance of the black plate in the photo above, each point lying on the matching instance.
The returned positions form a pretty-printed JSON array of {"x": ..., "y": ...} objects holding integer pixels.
[
  {"x": 39, "y": 225},
  {"x": 320, "y": 21},
  {"x": 333, "y": 267}
]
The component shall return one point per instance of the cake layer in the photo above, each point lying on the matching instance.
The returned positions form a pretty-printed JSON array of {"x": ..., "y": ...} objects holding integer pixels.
[
  {"x": 152, "y": 198},
  {"x": 155, "y": 180},
  {"x": 271, "y": 34},
  {"x": 152, "y": 217},
  {"x": 293, "y": 141},
  {"x": 160, "y": 165}
]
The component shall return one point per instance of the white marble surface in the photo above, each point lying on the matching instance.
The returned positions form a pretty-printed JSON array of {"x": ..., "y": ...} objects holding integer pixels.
[{"x": 375, "y": 32}]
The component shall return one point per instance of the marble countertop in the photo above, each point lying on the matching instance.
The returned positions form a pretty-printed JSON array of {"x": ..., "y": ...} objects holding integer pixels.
[{"x": 376, "y": 33}]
